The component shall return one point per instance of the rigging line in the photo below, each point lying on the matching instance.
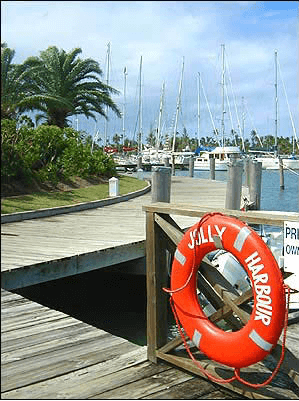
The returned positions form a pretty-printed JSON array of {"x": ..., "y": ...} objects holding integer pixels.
[
  {"x": 204, "y": 93},
  {"x": 285, "y": 93},
  {"x": 236, "y": 110},
  {"x": 258, "y": 137},
  {"x": 229, "y": 109}
]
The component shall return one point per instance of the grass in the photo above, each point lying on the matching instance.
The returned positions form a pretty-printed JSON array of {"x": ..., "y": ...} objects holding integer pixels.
[{"x": 44, "y": 200}]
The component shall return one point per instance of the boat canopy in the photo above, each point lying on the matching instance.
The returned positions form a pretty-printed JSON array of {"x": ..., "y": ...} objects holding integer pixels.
[{"x": 203, "y": 148}]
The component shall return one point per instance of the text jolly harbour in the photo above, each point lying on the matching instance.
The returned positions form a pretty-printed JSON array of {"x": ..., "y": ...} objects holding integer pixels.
[{"x": 291, "y": 258}]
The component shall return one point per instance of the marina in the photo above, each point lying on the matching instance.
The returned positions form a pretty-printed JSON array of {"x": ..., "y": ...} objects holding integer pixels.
[{"x": 187, "y": 288}]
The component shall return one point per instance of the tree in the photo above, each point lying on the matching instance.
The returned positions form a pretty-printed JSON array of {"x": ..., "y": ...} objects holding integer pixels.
[
  {"x": 15, "y": 84},
  {"x": 65, "y": 85}
]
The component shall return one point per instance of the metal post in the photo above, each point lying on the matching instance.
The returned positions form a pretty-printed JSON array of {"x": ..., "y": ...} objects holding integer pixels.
[
  {"x": 255, "y": 183},
  {"x": 212, "y": 168},
  {"x": 191, "y": 166},
  {"x": 234, "y": 185},
  {"x": 161, "y": 183}
]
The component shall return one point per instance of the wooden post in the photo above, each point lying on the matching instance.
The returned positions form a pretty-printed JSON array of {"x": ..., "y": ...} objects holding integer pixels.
[
  {"x": 166, "y": 162},
  {"x": 156, "y": 279},
  {"x": 212, "y": 168},
  {"x": 139, "y": 162},
  {"x": 173, "y": 164},
  {"x": 161, "y": 183},
  {"x": 255, "y": 183},
  {"x": 191, "y": 166},
  {"x": 281, "y": 175},
  {"x": 234, "y": 185},
  {"x": 140, "y": 174},
  {"x": 246, "y": 172}
]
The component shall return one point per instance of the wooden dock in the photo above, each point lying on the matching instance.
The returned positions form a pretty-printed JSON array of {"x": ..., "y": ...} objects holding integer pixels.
[
  {"x": 47, "y": 354},
  {"x": 43, "y": 249}
]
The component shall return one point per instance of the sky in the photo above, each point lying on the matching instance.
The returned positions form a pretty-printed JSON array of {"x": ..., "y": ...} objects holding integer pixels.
[{"x": 166, "y": 34}]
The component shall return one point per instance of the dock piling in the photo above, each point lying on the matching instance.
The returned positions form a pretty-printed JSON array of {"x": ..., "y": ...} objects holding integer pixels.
[
  {"x": 255, "y": 183},
  {"x": 139, "y": 162},
  {"x": 172, "y": 165},
  {"x": 191, "y": 166},
  {"x": 161, "y": 183},
  {"x": 234, "y": 185},
  {"x": 281, "y": 174},
  {"x": 212, "y": 169}
]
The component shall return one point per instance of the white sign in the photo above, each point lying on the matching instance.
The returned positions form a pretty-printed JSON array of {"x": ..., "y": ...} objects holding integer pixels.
[{"x": 291, "y": 246}]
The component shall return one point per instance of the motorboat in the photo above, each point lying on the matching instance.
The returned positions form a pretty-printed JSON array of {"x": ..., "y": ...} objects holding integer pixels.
[{"x": 221, "y": 154}]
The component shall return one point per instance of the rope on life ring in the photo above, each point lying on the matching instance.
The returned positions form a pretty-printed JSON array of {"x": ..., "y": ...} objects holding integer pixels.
[{"x": 256, "y": 339}]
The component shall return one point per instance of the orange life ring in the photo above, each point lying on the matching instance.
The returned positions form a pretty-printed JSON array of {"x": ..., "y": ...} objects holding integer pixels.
[{"x": 256, "y": 339}]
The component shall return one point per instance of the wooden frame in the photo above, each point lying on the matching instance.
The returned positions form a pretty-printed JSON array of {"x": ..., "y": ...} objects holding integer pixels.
[{"x": 162, "y": 236}]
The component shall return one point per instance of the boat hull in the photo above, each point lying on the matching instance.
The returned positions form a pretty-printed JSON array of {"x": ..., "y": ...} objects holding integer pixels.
[{"x": 206, "y": 166}]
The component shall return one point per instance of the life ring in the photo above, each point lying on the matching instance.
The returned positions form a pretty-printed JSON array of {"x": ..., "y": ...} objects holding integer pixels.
[{"x": 254, "y": 341}]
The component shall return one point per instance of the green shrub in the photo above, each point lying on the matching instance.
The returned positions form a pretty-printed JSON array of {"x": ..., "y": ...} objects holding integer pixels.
[{"x": 49, "y": 153}]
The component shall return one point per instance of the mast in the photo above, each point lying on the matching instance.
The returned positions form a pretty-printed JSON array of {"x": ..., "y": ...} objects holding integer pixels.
[
  {"x": 223, "y": 83},
  {"x": 107, "y": 82},
  {"x": 276, "y": 105},
  {"x": 178, "y": 107},
  {"x": 124, "y": 106},
  {"x": 140, "y": 110},
  {"x": 160, "y": 117},
  {"x": 243, "y": 119},
  {"x": 198, "y": 108}
]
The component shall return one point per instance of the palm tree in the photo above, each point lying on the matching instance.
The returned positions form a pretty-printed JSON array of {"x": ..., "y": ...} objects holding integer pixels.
[
  {"x": 66, "y": 85},
  {"x": 15, "y": 84}
]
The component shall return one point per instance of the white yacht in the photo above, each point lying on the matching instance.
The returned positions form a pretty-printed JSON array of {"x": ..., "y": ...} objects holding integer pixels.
[
  {"x": 221, "y": 154},
  {"x": 271, "y": 162}
]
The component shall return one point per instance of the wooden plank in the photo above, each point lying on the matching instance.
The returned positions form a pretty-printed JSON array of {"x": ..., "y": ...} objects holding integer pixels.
[
  {"x": 156, "y": 279},
  {"x": 74, "y": 337},
  {"x": 220, "y": 372},
  {"x": 81, "y": 383},
  {"x": 51, "y": 364},
  {"x": 195, "y": 388},
  {"x": 172, "y": 232},
  {"x": 252, "y": 217},
  {"x": 147, "y": 385}
]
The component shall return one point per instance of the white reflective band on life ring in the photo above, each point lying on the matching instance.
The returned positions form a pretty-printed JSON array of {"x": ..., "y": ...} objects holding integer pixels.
[
  {"x": 196, "y": 338},
  {"x": 180, "y": 257},
  {"x": 259, "y": 341},
  {"x": 241, "y": 237}
]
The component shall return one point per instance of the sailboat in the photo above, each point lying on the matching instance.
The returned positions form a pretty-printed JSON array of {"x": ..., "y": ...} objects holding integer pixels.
[
  {"x": 271, "y": 160},
  {"x": 222, "y": 154}
]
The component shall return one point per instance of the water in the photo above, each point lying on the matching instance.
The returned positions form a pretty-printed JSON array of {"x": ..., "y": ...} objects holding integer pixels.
[{"x": 272, "y": 197}]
